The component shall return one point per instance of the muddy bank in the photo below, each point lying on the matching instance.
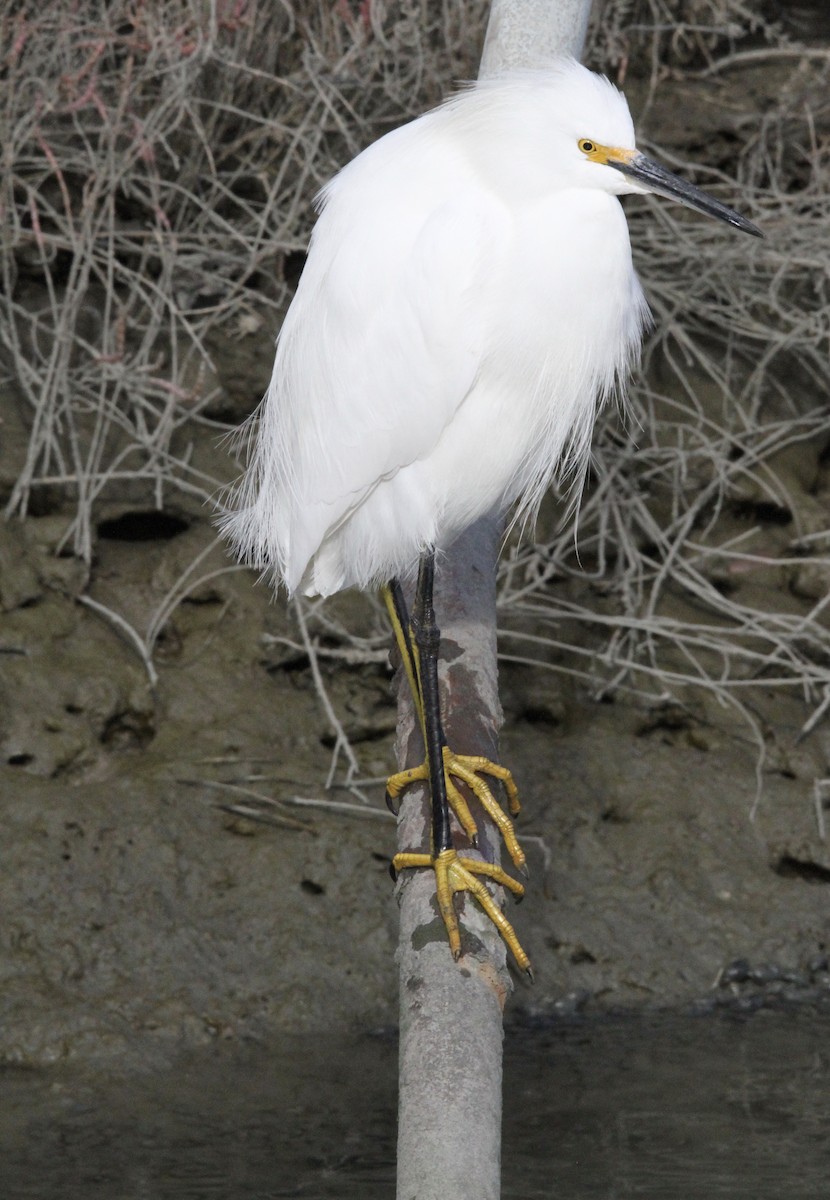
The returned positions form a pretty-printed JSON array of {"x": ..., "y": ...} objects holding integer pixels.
[{"x": 146, "y": 906}]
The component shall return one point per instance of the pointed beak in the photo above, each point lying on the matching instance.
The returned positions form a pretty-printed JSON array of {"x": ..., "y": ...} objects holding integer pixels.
[{"x": 654, "y": 177}]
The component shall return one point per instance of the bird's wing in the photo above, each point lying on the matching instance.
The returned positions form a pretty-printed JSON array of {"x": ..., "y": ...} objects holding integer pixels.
[{"x": 381, "y": 345}]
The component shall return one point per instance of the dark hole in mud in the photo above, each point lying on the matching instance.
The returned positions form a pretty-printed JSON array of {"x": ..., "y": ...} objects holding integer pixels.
[
  {"x": 169, "y": 642},
  {"x": 127, "y": 730},
  {"x": 207, "y": 597},
  {"x": 142, "y": 526},
  {"x": 44, "y": 500},
  {"x": 367, "y": 733},
  {"x": 726, "y": 587},
  {"x": 20, "y": 760},
  {"x": 291, "y": 664},
  {"x": 670, "y": 717},
  {"x": 763, "y": 510},
  {"x": 540, "y": 714},
  {"x": 230, "y": 412},
  {"x": 796, "y": 868},
  {"x": 581, "y": 955},
  {"x": 312, "y": 888}
]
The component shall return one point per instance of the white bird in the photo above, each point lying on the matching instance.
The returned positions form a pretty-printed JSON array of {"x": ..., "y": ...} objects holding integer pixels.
[{"x": 468, "y": 302}]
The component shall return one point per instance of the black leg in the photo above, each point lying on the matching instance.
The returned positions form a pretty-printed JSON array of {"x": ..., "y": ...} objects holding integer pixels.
[
  {"x": 418, "y": 643},
  {"x": 427, "y": 639}
]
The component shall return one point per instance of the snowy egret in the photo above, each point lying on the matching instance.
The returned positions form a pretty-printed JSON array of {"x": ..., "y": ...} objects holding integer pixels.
[{"x": 467, "y": 303}]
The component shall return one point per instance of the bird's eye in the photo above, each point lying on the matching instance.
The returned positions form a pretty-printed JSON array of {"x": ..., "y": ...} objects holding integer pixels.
[{"x": 586, "y": 146}]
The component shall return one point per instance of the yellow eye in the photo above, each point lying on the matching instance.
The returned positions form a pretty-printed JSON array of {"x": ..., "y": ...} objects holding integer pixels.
[{"x": 587, "y": 146}]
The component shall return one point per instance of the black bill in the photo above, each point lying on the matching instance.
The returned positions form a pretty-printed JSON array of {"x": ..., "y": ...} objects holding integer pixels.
[{"x": 659, "y": 179}]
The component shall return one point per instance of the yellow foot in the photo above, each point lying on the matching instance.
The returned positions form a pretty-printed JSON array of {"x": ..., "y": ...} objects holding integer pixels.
[
  {"x": 456, "y": 874},
  {"x": 469, "y": 768}
]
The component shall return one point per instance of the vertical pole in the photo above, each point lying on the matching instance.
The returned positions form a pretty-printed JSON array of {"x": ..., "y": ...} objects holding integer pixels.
[
  {"x": 449, "y": 1109},
  {"x": 450, "y": 1071},
  {"x": 529, "y": 33}
]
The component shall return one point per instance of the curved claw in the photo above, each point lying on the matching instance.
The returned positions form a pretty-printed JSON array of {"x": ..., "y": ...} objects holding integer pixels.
[
  {"x": 459, "y": 805},
  {"x": 474, "y": 764},
  {"x": 396, "y": 783},
  {"x": 456, "y": 874},
  {"x": 468, "y": 769}
]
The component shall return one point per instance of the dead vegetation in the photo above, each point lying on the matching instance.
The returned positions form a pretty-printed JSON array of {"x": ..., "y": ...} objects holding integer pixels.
[{"x": 160, "y": 163}]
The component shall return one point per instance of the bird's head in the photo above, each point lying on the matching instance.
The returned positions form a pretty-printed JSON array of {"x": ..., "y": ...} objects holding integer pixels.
[
  {"x": 641, "y": 175},
  {"x": 582, "y": 135}
]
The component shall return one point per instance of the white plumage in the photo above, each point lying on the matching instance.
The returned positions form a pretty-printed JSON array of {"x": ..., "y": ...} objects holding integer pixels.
[{"x": 468, "y": 301}]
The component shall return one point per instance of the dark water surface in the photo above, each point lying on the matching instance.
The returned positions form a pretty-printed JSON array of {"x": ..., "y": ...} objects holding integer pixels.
[{"x": 666, "y": 1107}]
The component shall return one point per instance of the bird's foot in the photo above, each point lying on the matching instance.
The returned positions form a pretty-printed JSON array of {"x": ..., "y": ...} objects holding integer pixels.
[
  {"x": 453, "y": 873},
  {"x": 469, "y": 768}
]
